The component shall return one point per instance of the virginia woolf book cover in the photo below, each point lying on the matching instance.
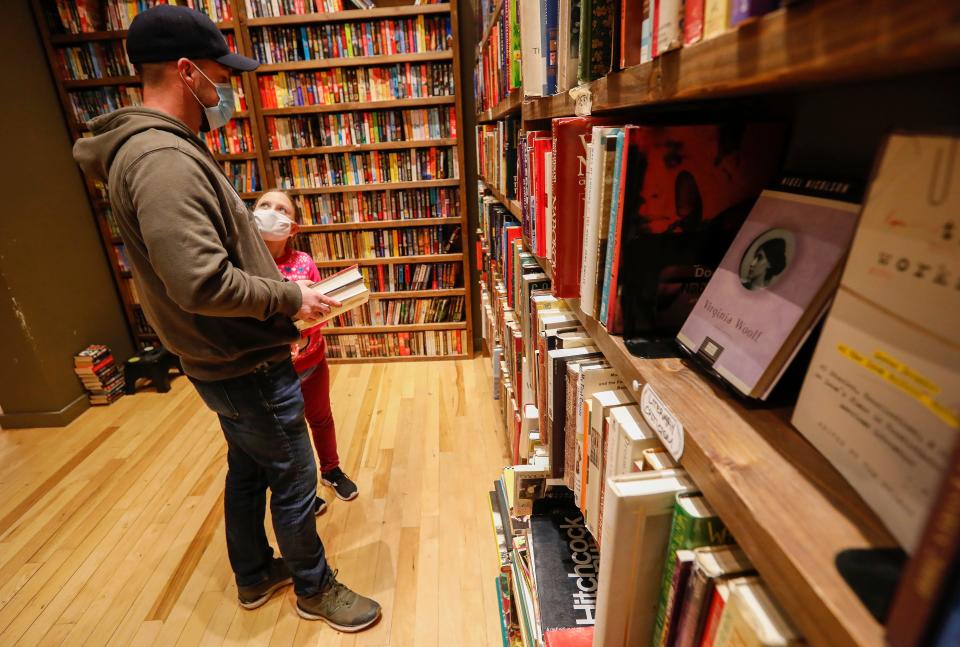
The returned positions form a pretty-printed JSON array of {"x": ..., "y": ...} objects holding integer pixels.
[{"x": 774, "y": 282}]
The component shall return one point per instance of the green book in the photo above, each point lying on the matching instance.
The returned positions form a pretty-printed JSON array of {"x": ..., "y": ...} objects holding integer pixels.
[
  {"x": 515, "y": 52},
  {"x": 598, "y": 35},
  {"x": 695, "y": 524}
]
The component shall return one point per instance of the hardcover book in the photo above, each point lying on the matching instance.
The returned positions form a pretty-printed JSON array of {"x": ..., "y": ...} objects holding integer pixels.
[
  {"x": 695, "y": 524},
  {"x": 549, "y": 42},
  {"x": 638, "y": 518},
  {"x": 744, "y": 10},
  {"x": 571, "y": 139},
  {"x": 557, "y": 398},
  {"x": 773, "y": 285},
  {"x": 692, "y": 21},
  {"x": 689, "y": 190},
  {"x": 600, "y": 405},
  {"x": 667, "y": 26},
  {"x": 598, "y": 39},
  {"x": 596, "y": 215},
  {"x": 882, "y": 397},
  {"x": 565, "y": 564},
  {"x": 590, "y": 377},
  {"x": 752, "y": 617},
  {"x": 716, "y": 17},
  {"x": 579, "y": 637},
  {"x": 346, "y": 286},
  {"x": 711, "y": 564},
  {"x": 533, "y": 59}
]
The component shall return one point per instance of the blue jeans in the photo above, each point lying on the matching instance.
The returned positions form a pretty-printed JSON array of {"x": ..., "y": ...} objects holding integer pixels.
[{"x": 268, "y": 445}]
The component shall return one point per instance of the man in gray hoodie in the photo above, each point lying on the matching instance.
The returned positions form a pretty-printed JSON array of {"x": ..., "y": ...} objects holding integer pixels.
[{"x": 211, "y": 290}]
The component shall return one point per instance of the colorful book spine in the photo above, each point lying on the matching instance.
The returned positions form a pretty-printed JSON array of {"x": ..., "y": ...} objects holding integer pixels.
[{"x": 438, "y": 343}]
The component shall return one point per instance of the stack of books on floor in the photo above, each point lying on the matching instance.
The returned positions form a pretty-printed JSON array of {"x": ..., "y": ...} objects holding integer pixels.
[{"x": 100, "y": 374}]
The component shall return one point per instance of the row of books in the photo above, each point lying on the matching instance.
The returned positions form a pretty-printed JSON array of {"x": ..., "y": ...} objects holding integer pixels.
[
  {"x": 85, "y": 16},
  {"x": 98, "y": 60},
  {"x": 235, "y": 137},
  {"x": 396, "y": 312},
  {"x": 596, "y": 37},
  {"x": 351, "y": 39},
  {"x": 243, "y": 175},
  {"x": 438, "y": 343},
  {"x": 740, "y": 269},
  {"x": 101, "y": 376},
  {"x": 382, "y": 243},
  {"x": 371, "y": 167},
  {"x": 361, "y": 127},
  {"x": 93, "y": 102},
  {"x": 498, "y": 68},
  {"x": 272, "y": 8},
  {"x": 497, "y": 154},
  {"x": 95, "y": 61},
  {"x": 570, "y": 418},
  {"x": 354, "y": 84},
  {"x": 405, "y": 277},
  {"x": 373, "y": 206}
]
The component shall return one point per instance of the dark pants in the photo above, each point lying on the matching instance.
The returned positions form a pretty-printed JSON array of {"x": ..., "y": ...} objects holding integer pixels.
[{"x": 261, "y": 415}]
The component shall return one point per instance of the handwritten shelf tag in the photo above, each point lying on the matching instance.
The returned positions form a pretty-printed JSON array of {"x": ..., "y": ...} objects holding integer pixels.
[{"x": 662, "y": 421}]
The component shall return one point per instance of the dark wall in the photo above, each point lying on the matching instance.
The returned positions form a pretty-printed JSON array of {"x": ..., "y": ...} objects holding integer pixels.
[{"x": 57, "y": 291}]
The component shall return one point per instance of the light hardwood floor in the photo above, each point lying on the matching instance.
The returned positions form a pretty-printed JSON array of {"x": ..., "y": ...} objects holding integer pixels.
[{"x": 111, "y": 529}]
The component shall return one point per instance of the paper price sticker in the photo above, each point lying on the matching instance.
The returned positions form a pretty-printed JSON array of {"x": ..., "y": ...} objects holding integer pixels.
[
  {"x": 582, "y": 101},
  {"x": 662, "y": 421}
]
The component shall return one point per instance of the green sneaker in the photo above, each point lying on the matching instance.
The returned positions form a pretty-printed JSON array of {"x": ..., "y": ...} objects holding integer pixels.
[
  {"x": 340, "y": 608},
  {"x": 256, "y": 595}
]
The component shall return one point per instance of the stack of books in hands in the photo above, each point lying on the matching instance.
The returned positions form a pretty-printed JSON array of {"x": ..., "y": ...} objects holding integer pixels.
[
  {"x": 347, "y": 287},
  {"x": 100, "y": 374}
]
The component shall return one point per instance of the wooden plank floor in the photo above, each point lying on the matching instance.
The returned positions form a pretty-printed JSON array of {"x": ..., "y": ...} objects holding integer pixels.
[{"x": 111, "y": 529}]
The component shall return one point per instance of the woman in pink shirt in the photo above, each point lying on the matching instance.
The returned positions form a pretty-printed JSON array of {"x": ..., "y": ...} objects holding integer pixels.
[{"x": 276, "y": 218}]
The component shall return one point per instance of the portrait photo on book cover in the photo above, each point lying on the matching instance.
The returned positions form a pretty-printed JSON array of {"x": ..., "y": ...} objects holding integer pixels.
[{"x": 767, "y": 258}]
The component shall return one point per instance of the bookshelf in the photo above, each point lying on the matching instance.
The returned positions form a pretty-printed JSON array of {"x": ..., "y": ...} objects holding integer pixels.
[
  {"x": 252, "y": 124},
  {"x": 786, "y": 505}
]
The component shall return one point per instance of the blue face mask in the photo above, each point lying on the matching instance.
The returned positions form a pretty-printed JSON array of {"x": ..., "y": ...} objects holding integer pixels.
[{"x": 218, "y": 115}]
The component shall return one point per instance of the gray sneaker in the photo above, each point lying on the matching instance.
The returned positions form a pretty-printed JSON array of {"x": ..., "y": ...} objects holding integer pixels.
[
  {"x": 256, "y": 595},
  {"x": 340, "y": 608}
]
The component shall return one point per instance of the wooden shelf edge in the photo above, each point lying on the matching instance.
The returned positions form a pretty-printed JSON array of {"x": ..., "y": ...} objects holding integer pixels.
[
  {"x": 359, "y": 105},
  {"x": 379, "y": 224},
  {"x": 397, "y": 358},
  {"x": 351, "y": 14},
  {"x": 513, "y": 104},
  {"x": 512, "y": 205},
  {"x": 356, "y": 148},
  {"x": 115, "y": 34},
  {"x": 355, "y": 61},
  {"x": 788, "y": 508},
  {"x": 791, "y": 48}
]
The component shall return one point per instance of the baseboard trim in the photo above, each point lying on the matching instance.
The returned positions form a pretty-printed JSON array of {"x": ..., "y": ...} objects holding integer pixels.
[{"x": 60, "y": 418}]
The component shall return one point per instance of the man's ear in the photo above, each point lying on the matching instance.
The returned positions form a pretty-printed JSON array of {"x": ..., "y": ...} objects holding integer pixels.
[{"x": 188, "y": 72}]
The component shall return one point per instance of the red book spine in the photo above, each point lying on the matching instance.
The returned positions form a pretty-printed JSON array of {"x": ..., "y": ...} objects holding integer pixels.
[
  {"x": 571, "y": 140},
  {"x": 713, "y": 619},
  {"x": 692, "y": 21}
]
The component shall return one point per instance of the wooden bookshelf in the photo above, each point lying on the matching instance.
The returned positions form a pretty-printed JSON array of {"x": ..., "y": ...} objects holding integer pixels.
[
  {"x": 801, "y": 46},
  {"x": 357, "y": 148},
  {"x": 422, "y": 102},
  {"x": 378, "y": 224},
  {"x": 510, "y": 106},
  {"x": 786, "y": 505},
  {"x": 356, "y": 61},
  {"x": 352, "y": 14}
]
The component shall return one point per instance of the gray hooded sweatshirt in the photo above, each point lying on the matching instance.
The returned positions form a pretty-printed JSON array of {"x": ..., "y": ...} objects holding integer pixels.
[{"x": 207, "y": 283}]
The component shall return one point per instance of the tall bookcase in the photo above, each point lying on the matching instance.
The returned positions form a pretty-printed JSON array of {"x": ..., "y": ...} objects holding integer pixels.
[
  {"x": 786, "y": 505},
  {"x": 379, "y": 337}
]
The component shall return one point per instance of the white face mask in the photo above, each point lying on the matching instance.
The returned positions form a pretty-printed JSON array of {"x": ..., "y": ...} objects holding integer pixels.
[{"x": 272, "y": 224}]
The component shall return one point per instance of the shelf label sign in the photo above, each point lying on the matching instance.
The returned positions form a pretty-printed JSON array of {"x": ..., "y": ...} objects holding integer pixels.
[
  {"x": 582, "y": 101},
  {"x": 662, "y": 421}
]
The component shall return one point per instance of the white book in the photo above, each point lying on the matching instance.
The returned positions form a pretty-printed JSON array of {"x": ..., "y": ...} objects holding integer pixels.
[
  {"x": 347, "y": 287},
  {"x": 562, "y": 353},
  {"x": 637, "y": 518},
  {"x": 668, "y": 25},
  {"x": 630, "y": 436},
  {"x": 600, "y": 405},
  {"x": 593, "y": 219},
  {"x": 533, "y": 61}
]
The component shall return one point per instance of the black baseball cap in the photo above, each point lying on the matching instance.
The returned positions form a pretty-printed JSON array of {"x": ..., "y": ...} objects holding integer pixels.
[{"x": 169, "y": 32}]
